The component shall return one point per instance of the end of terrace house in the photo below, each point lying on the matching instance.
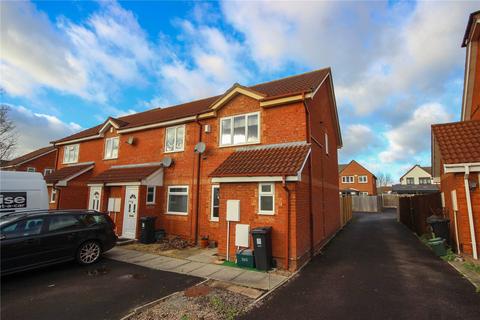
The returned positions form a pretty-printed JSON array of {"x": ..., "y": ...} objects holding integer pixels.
[{"x": 271, "y": 146}]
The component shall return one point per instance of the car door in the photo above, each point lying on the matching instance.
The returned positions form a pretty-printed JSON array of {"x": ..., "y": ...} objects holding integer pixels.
[
  {"x": 21, "y": 243},
  {"x": 62, "y": 236}
]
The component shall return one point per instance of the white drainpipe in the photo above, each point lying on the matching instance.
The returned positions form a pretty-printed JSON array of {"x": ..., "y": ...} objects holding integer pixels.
[{"x": 470, "y": 212}]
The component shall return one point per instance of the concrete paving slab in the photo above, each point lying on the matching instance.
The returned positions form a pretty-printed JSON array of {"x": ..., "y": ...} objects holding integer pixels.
[
  {"x": 226, "y": 274},
  {"x": 143, "y": 258},
  {"x": 174, "y": 263},
  {"x": 128, "y": 256},
  {"x": 253, "y": 279},
  {"x": 204, "y": 257},
  {"x": 205, "y": 271},
  {"x": 187, "y": 268},
  {"x": 156, "y": 263}
]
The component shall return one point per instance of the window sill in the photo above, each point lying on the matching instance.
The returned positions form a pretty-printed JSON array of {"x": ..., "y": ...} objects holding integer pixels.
[
  {"x": 175, "y": 151},
  {"x": 238, "y": 145},
  {"x": 70, "y": 162},
  {"x": 266, "y": 213},
  {"x": 150, "y": 203},
  {"x": 214, "y": 220},
  {"x": 177, "y": 213},
  {"x": 110, "y": 158}
]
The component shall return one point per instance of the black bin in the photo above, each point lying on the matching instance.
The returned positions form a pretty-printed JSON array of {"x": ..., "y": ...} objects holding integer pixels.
[
  {"x": 147, "y": 234},
  {"x": 262, "y": 246},
  {"x": 440, "y": 227}
]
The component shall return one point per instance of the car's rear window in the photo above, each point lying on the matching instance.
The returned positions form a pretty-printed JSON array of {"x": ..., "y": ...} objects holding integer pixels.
[{"x": 91, "y": 219}]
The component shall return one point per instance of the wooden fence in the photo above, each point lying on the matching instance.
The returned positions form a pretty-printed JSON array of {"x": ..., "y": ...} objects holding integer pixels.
[
  {"x": 389, "y": 200},
  {"x": 345, "y": 209},
  {"x": 414, "y": 210},
  {"x": 366, "y": 204}
]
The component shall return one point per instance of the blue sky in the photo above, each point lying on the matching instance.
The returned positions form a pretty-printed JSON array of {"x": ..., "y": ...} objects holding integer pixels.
[{"x": 397, "y": 66}]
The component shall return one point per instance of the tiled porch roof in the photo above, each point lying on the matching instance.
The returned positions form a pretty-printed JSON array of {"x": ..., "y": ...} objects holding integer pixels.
[
  {"x": 125, "y": 174},
  {"x": 67, "y": 173},
  {"x": 459, "y": 142},
  {"x": 270, "y": 160}
]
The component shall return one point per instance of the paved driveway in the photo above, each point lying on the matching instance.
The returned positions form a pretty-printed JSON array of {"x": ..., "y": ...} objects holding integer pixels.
[
  {"x": 374, "y": 269},
  {"x": 108, "y": 290}
]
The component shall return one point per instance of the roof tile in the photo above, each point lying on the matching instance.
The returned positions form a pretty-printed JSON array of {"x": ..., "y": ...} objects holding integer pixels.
[
  {"x": 66, "y": 172},
  {"x": 125, "y": 174},
  {"x": 29, "y": 156},
  {"x": 459, "y": 142}
]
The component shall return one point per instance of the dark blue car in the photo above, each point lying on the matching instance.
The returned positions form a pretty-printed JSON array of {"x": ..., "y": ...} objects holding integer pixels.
[{"x": 44, "y": 237}]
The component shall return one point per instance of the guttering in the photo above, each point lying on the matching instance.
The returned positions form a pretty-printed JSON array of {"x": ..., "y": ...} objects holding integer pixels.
[
  {"x": 97, "y": 136},
  {"x": 467, "y": 168},
  {"x": 308, "y": 134},
  {"x": 287, "y": 234}
]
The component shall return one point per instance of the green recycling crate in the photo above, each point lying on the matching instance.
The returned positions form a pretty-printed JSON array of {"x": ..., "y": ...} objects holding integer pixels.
[
  {"x": 245, "y": 258},
  {"x": 438, "y": 246}
]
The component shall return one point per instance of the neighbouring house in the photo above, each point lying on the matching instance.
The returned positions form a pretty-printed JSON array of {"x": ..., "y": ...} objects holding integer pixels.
[
  {"x": 417, "y": 180},
  {"x": 356, "y": 179},
  {"x": 456, "y": 153},
  {"x": 41, "y": 160},
  {"x": 267, "y": 152},
  {"x": 384, "y": 190}
]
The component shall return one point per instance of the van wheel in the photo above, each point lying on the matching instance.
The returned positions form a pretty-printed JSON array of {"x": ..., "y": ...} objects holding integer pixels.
[{"x": 89, "y": 252}]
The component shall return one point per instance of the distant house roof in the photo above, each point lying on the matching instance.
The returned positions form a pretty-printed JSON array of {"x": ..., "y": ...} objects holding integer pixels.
[
  {"x": 384, "y": 189},
  {"x": 269, "y": 160},
  {"x": 469, "y": 27},
  {"x": 415, "y": 188},
  {"x": 28, "y": 157},
  {"x": 341, "y": 167},
  {"x": 426, "y": 169},
  {"x": 126, "y": 174},
  {"x": 67, "y": 173},
  {"x": 294, "y": 85},
  {"x": 459, "y": 142}
]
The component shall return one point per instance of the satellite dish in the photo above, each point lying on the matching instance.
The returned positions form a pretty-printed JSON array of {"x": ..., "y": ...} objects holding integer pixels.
[
  {"x": 200, "y": 147},
  {"x": 131, "y": 140},
  {"x": 167, "y": 162}
]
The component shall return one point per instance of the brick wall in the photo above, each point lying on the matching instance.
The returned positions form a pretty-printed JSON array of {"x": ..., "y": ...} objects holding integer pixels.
[{"x": 40, "y": 164}]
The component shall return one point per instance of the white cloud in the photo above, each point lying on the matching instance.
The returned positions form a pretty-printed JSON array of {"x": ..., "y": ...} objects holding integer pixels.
[
  {"x": 413, "y": 136},
  {"x": 36, "y": 130},
  {"x": 357, "y": 139}
]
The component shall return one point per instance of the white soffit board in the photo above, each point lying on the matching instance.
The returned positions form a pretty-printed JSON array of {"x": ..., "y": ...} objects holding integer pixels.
[{"x": 242, "y": 235}]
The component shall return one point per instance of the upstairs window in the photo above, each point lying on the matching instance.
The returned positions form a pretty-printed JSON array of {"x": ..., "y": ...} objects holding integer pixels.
[
  {"x": 348, "y": 179},
  {"x": 111, "y": 148},
  {"x": 410, "y": 181},
  {"x": 266, "y": 198},
  {"x": 242, "y": 129},
  {"x": 425, "y": 180},
  {"x": 362, "y": 179},
  {"x": 70, "y": 153},
  {"x": 175, "y": 139}
]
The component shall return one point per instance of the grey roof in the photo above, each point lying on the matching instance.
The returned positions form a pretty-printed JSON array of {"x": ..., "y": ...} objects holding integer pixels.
[
  {"x": 428, "y": 169},
  {"x": 341, "y": 167},
  {"x": 415, "y": 188}
]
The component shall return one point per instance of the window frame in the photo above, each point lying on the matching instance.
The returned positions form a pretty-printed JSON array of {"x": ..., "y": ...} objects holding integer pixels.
[
  {"x": 409, "y": 179},
  {"x": 212, "y": 218},
  {"x": 177, "y": 193},
  {"x": 77, "y": 152},
  {"x": 344, "y": 180},
  {"x": 175, "y": 139},
  {"x": 420, "y": 179},
  {"x": 231, "y": 118},
  {"x": 53, "y": 195},
  {"x": 360, "y": 180},
  {"x": 49, "y": 169},
  {"x": 105, "y": 157},
  {"x": 154, "y": 195},
  {"x": 31, "y": 169},
  {"x": 263, "y": 193}
]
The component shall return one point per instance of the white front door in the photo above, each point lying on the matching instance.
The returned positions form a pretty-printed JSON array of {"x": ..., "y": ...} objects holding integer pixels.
[
  {"x": 95, "y": 196},
  {"x": 130, "y": 213}
]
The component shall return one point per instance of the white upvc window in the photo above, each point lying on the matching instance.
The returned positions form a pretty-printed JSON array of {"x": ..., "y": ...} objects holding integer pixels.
[
  {"x": 326, "y": 143},
  {"x": 241, "y": 129},
  {"x": 215, "y": 204},
  {"x": 177, "y": 200},
  {"x": 364, "y": 193},
  {"x": 362, "y": 179},
  {"x": 70, "y": 153},
  {"x": 111, "y": 148},
  {"x": 348, "y": 179},
  {"x": 151, "y": 190},
  {"x": 175, "y": 138},
  {"x": 53, "y": 195},
  {"x": 266, "y": 198},
  {"x": 47, "y": 171},
  {"x": 31, "y": 169}
]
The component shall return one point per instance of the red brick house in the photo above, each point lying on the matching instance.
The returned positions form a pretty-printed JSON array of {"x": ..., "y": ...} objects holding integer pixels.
[
  {"x": 356, "y": 179},
  {"x": 456, "y": 153},
  {"x": 41, "y": 160},
  {"x": 268, "y": 150}
]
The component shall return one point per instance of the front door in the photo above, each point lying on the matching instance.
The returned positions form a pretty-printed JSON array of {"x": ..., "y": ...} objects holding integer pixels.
[
  {"x": 130, "y": 213},
  {"x": 95, "y": 195}
]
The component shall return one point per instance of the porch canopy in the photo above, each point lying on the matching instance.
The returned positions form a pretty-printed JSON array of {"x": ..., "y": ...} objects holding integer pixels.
[
  {"x": 150, "y": 174},
  {"x": 264, "y": 163},
  {"x": 60, "y": 177}
]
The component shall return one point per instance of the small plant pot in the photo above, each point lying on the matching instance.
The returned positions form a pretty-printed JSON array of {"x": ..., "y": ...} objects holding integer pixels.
[{"x": 203, "y": 243}]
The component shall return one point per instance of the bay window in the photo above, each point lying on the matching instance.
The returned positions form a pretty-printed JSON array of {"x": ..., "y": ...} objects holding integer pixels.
[{"x": 241, "y": 129}]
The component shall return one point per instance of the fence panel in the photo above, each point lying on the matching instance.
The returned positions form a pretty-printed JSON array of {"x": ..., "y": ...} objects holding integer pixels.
[
  {"x": 413, "y": 211},
  {"x": 390, "y": 200},
  {"x": 366, "y": 204},
  {"x": 345, "y": 209}
]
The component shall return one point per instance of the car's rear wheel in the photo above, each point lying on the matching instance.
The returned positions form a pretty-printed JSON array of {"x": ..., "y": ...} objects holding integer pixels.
[{"x": 89, "y": 252}]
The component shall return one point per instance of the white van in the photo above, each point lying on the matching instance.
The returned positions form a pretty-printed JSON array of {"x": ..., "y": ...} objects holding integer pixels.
[{"x": 20, "y": 191}]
